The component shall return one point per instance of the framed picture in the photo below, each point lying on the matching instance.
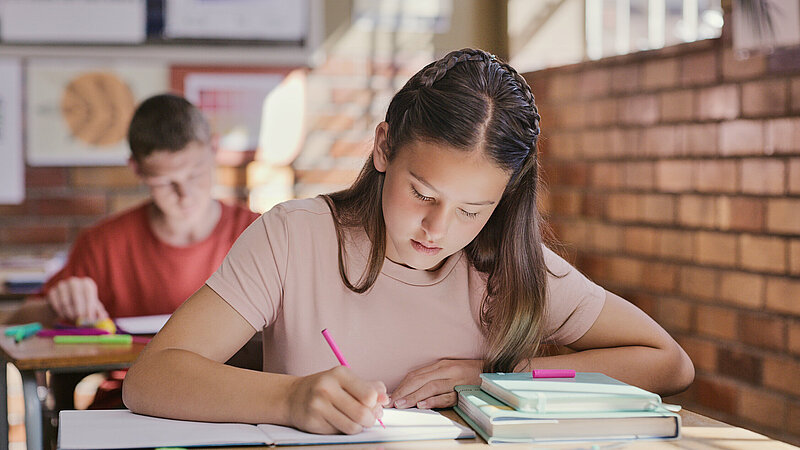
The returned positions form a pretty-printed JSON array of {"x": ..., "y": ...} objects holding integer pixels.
[{"x": 78, "y": 111}]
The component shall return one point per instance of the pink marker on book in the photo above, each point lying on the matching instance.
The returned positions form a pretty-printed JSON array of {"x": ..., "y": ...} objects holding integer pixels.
[
  {"x": 339, "y": 355},
  {"x": 553, "y": 373}
]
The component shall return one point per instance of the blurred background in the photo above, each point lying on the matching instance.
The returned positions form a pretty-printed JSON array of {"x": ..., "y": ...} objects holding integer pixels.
[{"x": 670, "y": 143}]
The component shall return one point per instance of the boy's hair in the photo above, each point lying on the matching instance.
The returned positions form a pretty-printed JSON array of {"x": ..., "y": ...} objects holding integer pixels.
[
  {"x": 472, "y": 101},
  {"x": 166, "y": 122}
]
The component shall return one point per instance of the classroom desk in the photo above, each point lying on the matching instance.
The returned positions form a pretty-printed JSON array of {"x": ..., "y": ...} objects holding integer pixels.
[{"x": 40, "y": 354}]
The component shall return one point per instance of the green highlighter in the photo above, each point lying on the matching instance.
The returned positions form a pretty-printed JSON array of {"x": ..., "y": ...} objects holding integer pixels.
[
  {"x": 117, "y": 339},
  {"x": 21, "y": 332}
]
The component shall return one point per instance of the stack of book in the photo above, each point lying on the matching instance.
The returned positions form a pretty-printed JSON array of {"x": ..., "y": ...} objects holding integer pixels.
[{"x": 515, "y": 407}]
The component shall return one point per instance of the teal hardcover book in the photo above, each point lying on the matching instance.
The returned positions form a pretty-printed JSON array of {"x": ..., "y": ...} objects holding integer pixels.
[
  {"x": 497, "y": 422},
  {"x": 588, "y": 391}
]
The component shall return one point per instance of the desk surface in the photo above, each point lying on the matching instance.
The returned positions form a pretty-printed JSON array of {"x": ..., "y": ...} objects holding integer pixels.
[{"x": 41, "y": 353}]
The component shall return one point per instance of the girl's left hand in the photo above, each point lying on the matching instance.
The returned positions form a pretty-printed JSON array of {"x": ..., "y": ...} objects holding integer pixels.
[{"x": 432, "y": 386}]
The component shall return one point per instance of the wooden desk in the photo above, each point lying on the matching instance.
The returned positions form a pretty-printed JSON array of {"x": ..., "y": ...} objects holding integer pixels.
[{"x": 40, "y": 354}]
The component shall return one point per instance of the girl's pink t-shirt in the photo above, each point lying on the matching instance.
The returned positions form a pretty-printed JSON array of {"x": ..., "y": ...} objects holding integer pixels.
[{"x": 282, "y": 276}]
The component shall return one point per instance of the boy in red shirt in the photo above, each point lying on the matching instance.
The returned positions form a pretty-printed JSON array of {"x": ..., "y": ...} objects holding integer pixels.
[{"x": 148, "y": 259}]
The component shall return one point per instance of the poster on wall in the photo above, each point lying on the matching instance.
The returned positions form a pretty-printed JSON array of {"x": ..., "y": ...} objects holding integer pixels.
[
  {"x": 12, "y": 167},
  {"x": 276, "y": 20},
  {"x": 78, "y": 111}
]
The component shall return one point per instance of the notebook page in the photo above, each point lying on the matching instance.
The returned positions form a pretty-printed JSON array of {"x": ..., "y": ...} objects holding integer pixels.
[
  {"x": 401, "y": 425},
  {"x": 113, "y": 429},
  {"x": 142, "y": 324}
]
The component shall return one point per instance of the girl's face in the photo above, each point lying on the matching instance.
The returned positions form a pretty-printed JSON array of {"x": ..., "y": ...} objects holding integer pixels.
[{"x": 436, "y": 199}]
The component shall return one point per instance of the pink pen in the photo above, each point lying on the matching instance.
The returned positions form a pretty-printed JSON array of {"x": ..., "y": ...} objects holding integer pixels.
[
  {"x": 339, "y": 355},
  {"x": 553, "y": 373}
]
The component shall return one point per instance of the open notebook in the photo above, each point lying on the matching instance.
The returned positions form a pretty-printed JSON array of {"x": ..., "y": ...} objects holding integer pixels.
[{"x": 112, "y": 429}]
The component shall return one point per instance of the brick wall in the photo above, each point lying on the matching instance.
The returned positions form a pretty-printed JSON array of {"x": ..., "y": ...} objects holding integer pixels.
[{"x": 674, "y": 178}]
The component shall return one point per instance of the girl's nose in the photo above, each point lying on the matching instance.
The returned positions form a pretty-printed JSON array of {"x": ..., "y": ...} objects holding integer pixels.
[{"x": 435, "y": 224}]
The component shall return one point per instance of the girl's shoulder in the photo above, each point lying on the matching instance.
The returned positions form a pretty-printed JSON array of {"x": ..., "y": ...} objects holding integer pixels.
[{"x": 314, "y": 205}]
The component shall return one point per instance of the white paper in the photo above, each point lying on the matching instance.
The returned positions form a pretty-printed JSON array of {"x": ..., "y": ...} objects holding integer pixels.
[
  {"x": 142, "y": 324},
  {"x": 98, "y": 429},
  {"x": 278, "y": 20},
  {"x": 12, "y": 167},
  {"x": 119, "y": 21}
]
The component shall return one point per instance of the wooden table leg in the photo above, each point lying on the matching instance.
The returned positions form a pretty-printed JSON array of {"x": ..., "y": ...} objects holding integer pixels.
[{"x": 33, "y": 410}]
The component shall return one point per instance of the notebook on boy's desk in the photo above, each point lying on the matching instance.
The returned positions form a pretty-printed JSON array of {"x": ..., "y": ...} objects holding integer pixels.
[{"x": 114, "y": 429}]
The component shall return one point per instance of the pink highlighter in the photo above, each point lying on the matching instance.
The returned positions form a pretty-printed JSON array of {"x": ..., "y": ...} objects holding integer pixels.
[{"x": 553, "y": 373}]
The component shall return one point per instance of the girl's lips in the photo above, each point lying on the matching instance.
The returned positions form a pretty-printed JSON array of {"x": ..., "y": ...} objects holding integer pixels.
[{"x": 423, "y": 249}]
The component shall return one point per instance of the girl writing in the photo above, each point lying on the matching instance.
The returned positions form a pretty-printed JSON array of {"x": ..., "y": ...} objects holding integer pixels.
[{"x": 428, "y": 270}]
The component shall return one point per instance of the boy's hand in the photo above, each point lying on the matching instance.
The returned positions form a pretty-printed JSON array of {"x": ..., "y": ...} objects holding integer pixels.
[
  {"x": 432, "y": 386},
  {"x": 335, "y": 401},
  {"x": 76, "y": 298}
]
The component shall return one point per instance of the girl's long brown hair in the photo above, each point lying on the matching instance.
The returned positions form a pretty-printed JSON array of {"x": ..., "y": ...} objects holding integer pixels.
[{"x": 472, "y": 101}]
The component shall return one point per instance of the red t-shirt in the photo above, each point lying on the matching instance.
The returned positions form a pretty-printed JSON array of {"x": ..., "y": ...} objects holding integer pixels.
[{"x": 136, "y": 273}]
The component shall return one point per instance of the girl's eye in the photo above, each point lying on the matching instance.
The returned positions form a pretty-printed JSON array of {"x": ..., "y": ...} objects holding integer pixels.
[
  {"x": 470, "y": 215},
  {"x": 420, "y": 196}
]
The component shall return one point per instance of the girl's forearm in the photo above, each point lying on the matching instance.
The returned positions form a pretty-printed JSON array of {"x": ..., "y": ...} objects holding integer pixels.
[
  {"x": 662, "y": 371},
  {"x": 183, "y": 385}
]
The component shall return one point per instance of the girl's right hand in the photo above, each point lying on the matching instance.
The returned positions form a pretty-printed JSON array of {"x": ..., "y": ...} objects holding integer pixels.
[{"x": 335, "y": 401}]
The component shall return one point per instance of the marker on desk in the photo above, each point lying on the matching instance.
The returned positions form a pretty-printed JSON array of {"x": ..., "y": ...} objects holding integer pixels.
[
  {"x": 21, "y": 332},
  {"x": 339, "y": 355},
  {"x": 553, "y": 373},
  {"x": 112, "y": 339}
]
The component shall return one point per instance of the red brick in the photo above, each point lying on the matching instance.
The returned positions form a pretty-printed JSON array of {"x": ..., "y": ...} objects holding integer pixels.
[
  {"x": 664, "y": 140},
  {"x": 320, "y": 176},
  {"x": 661, "y": 278},
  {"x": 627, "y": 271},
  {"x": 660, "y": 73},
  {"x": 639, "y": 175},
  {"x": 601, "y": 112},
  {"x": 716, "y": 322},
  {"x": 762, "y": 407},
  {"x": 674, "y": 175},
  {"x": 658, "y": 209},
  {"x": 782, "y": 374},
  {"x": 794, "y": 337},
  {"x": 605, "y": 237},
  {"x": 334, "y": 122},
  {"x": 595, "y": 83},
  {"x": 561, "y": 145},
  {"x": 794, "y": 256},
  {"x": 699, "y": 68},
  {"x": 718, "y": 102},
  {"x": 625, "y": 78},
  {"x": 231, "y": 176},
  {"x": 715, "y": 176},
  {"x": 607, "y": 175},
  {"x": 627, "y": 142},
  {"x": 45, "y": 176},
  {"x": 794, "y": 176},
  {"x": 783, "y": 215},
  {"x": 703, "y": 353},
  {"x": 763, "y": 176},
  {"x": 741, "y": 137},
  {"x": 742, "y": 289},
  {"x": 702, "y": 139},
  {"x": 675, "y": 244},
  {"x": 121, "y": 202},
  {"x": 795, "y": 94},
  {"x": 564, "y": 86},
  {"x": 83, "y": 205},
  {"x": 22, "y": 209},
  {"x": 573, "y": 233},
  {"x": 717, "y": 394},
  {"x": 783, "y": 295},
  {"x": 736, "y": 68},
  {"x": 675, "y": 314},
  {"x": 715, "y": 248},
  {"x": 565, "y": 202},
  {"x": 763, "y": 98},
  {"x": 569, "y": 174},
  {"x": 358, "y": 96},
  {"x": 782, "y": 136},
  {"x": 33, "y": 234},
  {"x": 697, "y": 211},
  {"x": 640, "y": 110},
  {"x": 762, "y": 253},
  {"x": 594, "y": 205},
  {"x": 740, "y": 213},
  {"x": 623, "y": 207},
  {"x": 103, "y": 177},
  {"x": 677, "y": 106},
  {"x": 793, "y": 418},
  {"x": 640, "y": 240},
  {"x": 699, "y": 282},
  {"x": 594, "y": 144},
  {"x": 764, "y": 331},
  {"x": 743, "y": 365}
]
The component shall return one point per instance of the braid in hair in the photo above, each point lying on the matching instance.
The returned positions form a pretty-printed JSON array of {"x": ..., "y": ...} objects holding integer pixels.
[
  {"x": 436, "y": 71},
  {"x": 526, "y": 91}
]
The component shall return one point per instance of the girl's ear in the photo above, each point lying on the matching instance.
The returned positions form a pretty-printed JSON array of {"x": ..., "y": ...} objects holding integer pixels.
[
  {"x": 135, "y": 166},
  {"x": 380, "y": 148}
]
